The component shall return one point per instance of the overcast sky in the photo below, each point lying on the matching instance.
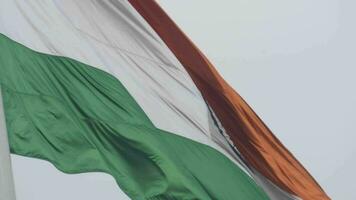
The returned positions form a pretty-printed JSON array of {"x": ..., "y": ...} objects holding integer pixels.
[{"x": 294, "y": 63}]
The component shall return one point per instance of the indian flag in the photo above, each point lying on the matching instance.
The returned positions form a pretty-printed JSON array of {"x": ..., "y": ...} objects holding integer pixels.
[{"x": 115, "y": 86}]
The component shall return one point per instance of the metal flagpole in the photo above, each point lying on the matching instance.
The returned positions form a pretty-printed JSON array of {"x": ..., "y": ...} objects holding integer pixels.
[{"x": 7, "y": 188}]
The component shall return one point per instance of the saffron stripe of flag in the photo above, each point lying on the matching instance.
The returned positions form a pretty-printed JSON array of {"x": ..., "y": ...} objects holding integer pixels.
[{"x": 257, "y": 144}]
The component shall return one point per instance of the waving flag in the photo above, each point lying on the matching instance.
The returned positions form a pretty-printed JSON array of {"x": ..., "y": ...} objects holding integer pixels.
[{"x": 116, "y": 87}]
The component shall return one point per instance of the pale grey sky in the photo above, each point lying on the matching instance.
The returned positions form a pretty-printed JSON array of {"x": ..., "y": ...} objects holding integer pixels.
[{"x": 294, "y": 63}]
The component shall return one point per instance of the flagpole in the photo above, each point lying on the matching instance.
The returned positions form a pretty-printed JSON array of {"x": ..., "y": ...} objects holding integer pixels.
[{"x": 7, "y": 189}]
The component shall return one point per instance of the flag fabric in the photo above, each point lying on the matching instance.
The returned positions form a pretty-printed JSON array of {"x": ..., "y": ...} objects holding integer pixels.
[{"x": 116, "y": 87}]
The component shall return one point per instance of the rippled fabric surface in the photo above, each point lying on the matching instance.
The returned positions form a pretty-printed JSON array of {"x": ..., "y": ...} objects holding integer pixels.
[{"x": 82, "y": 119}]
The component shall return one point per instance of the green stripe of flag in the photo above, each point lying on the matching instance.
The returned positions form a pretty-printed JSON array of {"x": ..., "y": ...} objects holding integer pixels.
[{"x": 82, "y": 119}]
